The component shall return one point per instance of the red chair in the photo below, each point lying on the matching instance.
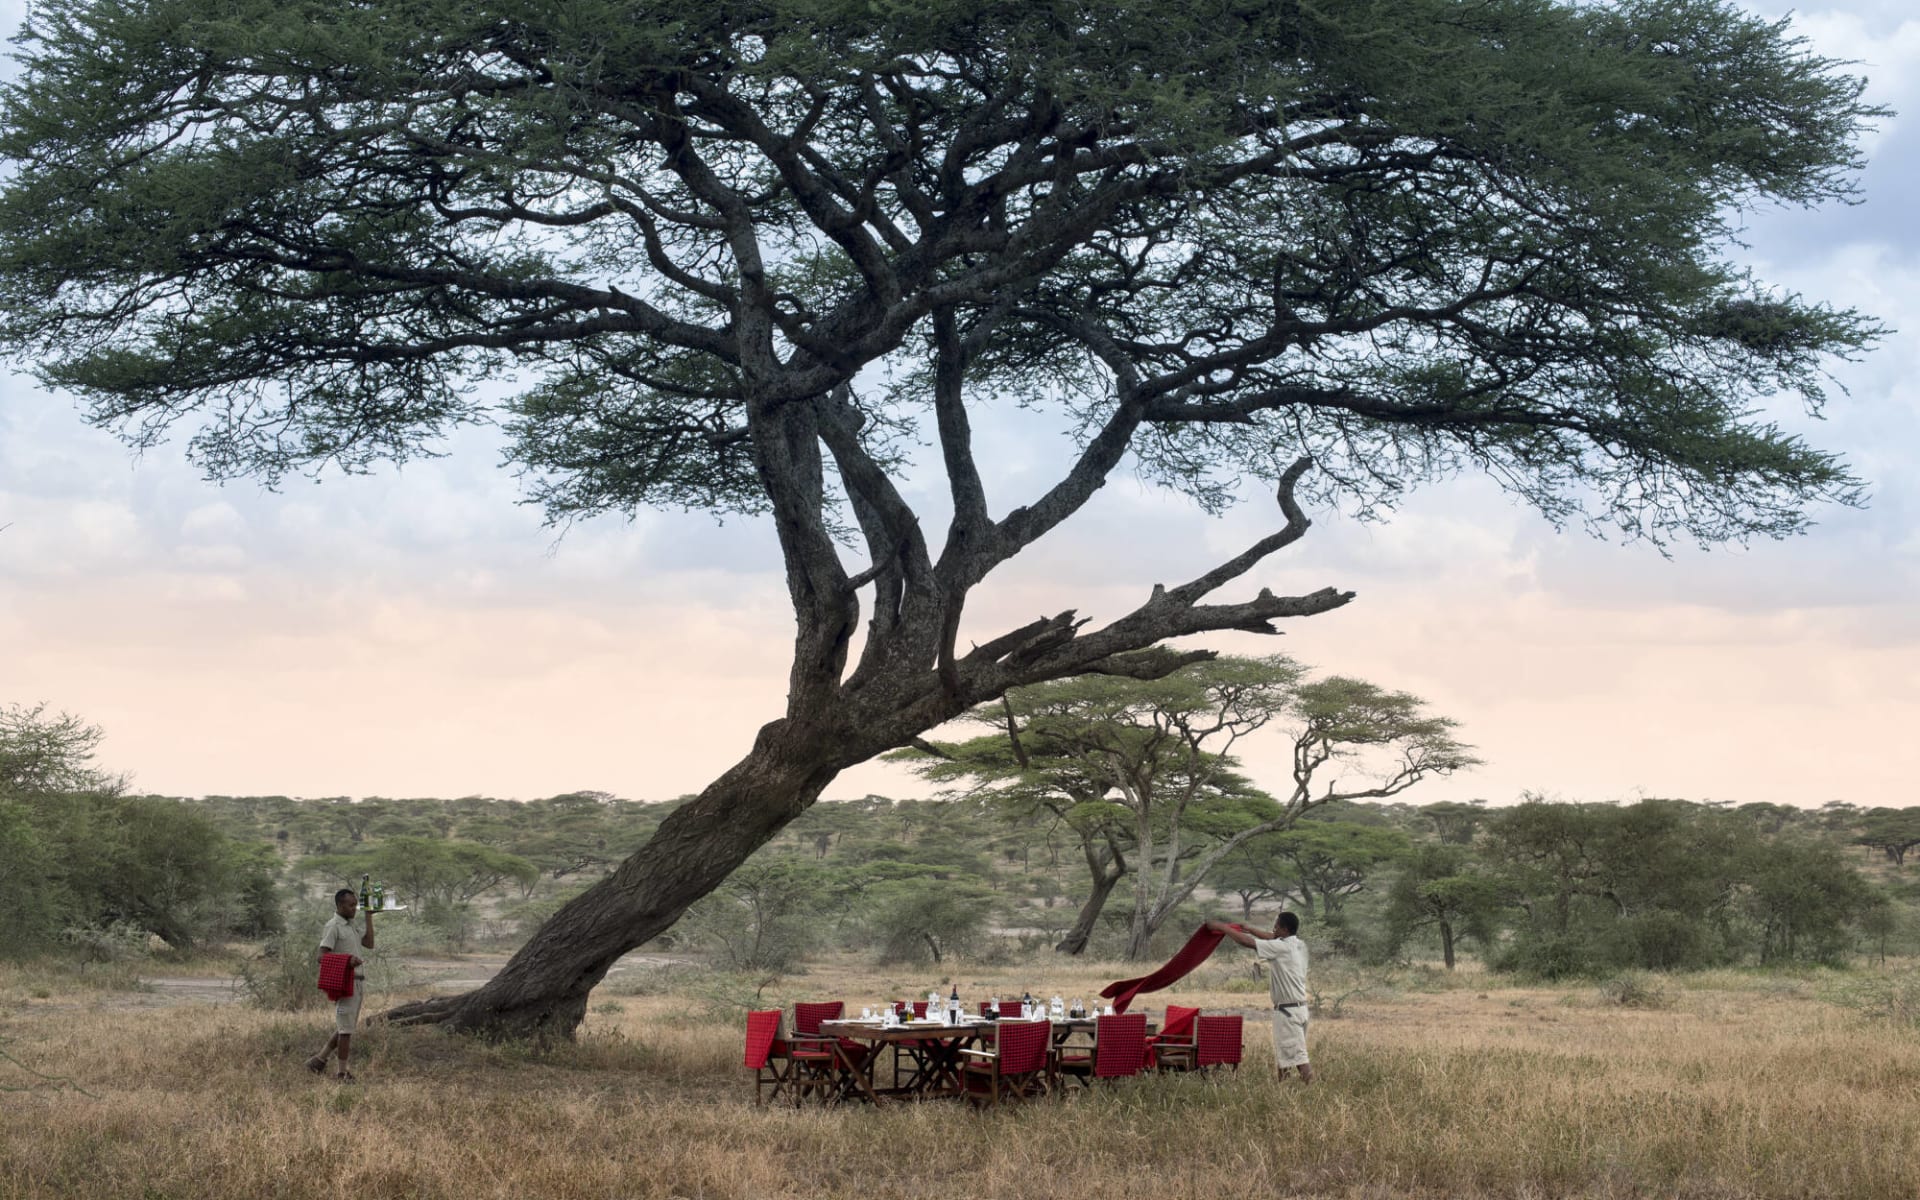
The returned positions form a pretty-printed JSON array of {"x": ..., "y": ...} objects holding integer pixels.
[
  {"x": 1218, "y": 1041},
  {"x": 1172, "y": 1049},
  {"x": 817, "y": 1070},
  {"x": 1119, "y": 1050},
  {"x": 767, "y": 1055},
  {"x": 1014, "y": 1069}
]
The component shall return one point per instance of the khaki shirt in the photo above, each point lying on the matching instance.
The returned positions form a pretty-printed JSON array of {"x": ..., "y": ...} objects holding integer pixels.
[
  {"x": 1286, "y": 962},
  {"x": 340, "y": 937}
]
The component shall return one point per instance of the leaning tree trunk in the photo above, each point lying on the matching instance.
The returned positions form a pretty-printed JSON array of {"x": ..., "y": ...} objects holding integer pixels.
[
  {"x": 1103, "y": 885},
  {"x": 542, "y": 991}
]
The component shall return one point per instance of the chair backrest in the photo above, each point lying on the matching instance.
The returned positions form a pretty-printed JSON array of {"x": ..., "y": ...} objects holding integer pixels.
[
  {"x": 763, "y": 1030},
  {"x": 919, "y": 1008},
  {"x": 807, "y": 1017},
  {"x": 1178, "y": 1026},
  {"x": 1007, "y": 1010},
  {"x": 1119, "y": 1045},
  {"x": 1023, "y": 1046},
  {"x": 1218, "y": 1039}
]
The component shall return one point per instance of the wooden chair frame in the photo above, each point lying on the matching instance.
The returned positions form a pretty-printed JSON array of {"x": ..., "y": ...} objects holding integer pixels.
[{"x": 1017, "y": 1068}]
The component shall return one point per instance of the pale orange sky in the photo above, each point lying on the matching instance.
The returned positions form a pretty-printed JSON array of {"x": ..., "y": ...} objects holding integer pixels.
[{"x": 418, "y": 633}]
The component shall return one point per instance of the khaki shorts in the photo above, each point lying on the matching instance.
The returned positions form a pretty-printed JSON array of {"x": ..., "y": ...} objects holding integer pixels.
[
  {"x": 1290, "y": 1036},
  {"x": 346, "y": 1013}
]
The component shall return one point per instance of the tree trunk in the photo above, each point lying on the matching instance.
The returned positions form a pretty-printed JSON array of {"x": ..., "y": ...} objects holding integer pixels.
[
  {"x": 1446, "y": 942},
  {"x": 1146, "y": 923},
  {"x": 1077, "y": 937},
  {"x": 542, "y": 991}
]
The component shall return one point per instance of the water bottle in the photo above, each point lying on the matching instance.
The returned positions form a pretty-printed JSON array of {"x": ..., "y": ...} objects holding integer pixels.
[{"x": 1026, "y": 1006}]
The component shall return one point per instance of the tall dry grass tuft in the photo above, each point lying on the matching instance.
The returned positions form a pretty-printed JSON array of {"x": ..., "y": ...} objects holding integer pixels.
[{"x": 1477, "y": 1091}]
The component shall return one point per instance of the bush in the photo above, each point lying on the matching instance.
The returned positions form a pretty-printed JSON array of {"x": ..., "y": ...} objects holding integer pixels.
[
  {"x": 118, "y": 941},
  {"x": 283, "y": 977},
  {"x": 1663, "y": 940},
  {"x": 1546, "y": 957},
  {"x": 1893, "y": 998},
  {"x": 1636, "y": 989}
]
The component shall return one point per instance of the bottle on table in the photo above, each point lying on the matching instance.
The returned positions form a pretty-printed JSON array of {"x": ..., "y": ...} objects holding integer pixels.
[
  {"x": 1026, "y": 1006},
  {"x": 953, "y": 1006}
]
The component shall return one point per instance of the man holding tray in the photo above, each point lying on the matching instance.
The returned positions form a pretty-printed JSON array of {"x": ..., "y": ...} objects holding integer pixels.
[{"x": 337, "y": 938}]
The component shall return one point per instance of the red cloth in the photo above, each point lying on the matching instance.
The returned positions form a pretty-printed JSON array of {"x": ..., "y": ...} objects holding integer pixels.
[
  {"x": 1189, "y": 956},
  {"x": 336, "y": 976}
]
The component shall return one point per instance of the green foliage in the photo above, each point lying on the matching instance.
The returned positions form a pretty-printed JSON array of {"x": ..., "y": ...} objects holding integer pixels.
[
  {"x": 1438, "y": 887},
  {"x": 920, "y": 921},
  {"x": 77, "y": 857},
  {"x": 35, "y": 912},
  {"x": 769, "y": 913},
  {"x": 1349, "y": 197},
  {"x": 1666, "y": 885}
]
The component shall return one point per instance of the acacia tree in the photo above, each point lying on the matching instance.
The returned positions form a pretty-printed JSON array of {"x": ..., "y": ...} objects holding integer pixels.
[
  {"x": 1441, "y": 888},
  {"x": 1153, "y": 761},
  {"x": 1025, "y": 778},
  {"x": 1323, "y": 860},
  {"x": 737, "y": 252}
]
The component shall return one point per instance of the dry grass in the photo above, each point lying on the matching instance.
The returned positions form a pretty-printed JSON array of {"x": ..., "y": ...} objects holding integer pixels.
[{"x": 1458, "y": 1088}]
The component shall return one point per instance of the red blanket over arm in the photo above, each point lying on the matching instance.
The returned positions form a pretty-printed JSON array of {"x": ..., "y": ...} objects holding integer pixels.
[
  {"x": 1189, "y": 956},
  {"x": 336, "y": 975}
]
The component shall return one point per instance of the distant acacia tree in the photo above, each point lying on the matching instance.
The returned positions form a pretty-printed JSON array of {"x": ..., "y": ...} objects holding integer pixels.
[
  {"x": 1441, "y": 889},
  {"x": 1152, "y": 761},
  {"x": 741, "y": 255},
  {"x": 1892, "y": 831},
  {"x": 1322, "y": 861}
]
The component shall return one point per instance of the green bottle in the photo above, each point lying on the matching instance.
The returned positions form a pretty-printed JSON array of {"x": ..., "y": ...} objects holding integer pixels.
[
  {"x": 366, "y": 891},
  {"x": 379, "y": 896}
]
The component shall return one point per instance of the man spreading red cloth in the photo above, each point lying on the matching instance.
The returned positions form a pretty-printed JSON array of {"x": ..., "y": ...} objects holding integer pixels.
[{"x": 1198, "y": 948}]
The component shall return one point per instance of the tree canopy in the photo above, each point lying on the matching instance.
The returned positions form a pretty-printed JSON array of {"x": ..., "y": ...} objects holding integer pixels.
[{"x": 744, "y": 255}]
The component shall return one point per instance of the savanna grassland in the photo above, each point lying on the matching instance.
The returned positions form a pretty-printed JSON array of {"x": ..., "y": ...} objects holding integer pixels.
[{"x": 1708, "y": 1085}]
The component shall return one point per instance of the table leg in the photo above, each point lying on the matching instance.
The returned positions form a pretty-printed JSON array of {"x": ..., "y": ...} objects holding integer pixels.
[{"x": 860, "y": 1073}]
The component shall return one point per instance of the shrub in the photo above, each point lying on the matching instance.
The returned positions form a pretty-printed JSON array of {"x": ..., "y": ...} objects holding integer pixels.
[
  {"x": 283, "y": 977},
  {"x": 1893, "y": 998},
  {"x": 1636, "y": 989},
  {"x": 1545, "y": 957}
]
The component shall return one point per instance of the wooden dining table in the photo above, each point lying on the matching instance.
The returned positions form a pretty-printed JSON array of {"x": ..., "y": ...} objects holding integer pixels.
[{"x": 931, "y": 1046}]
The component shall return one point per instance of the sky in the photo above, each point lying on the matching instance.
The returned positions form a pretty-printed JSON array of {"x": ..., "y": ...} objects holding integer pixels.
[{"x": 419, "y": 632}]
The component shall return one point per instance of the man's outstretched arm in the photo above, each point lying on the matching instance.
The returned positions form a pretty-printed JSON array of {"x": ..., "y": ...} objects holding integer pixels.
[{"x": 1228, "y": 929}]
